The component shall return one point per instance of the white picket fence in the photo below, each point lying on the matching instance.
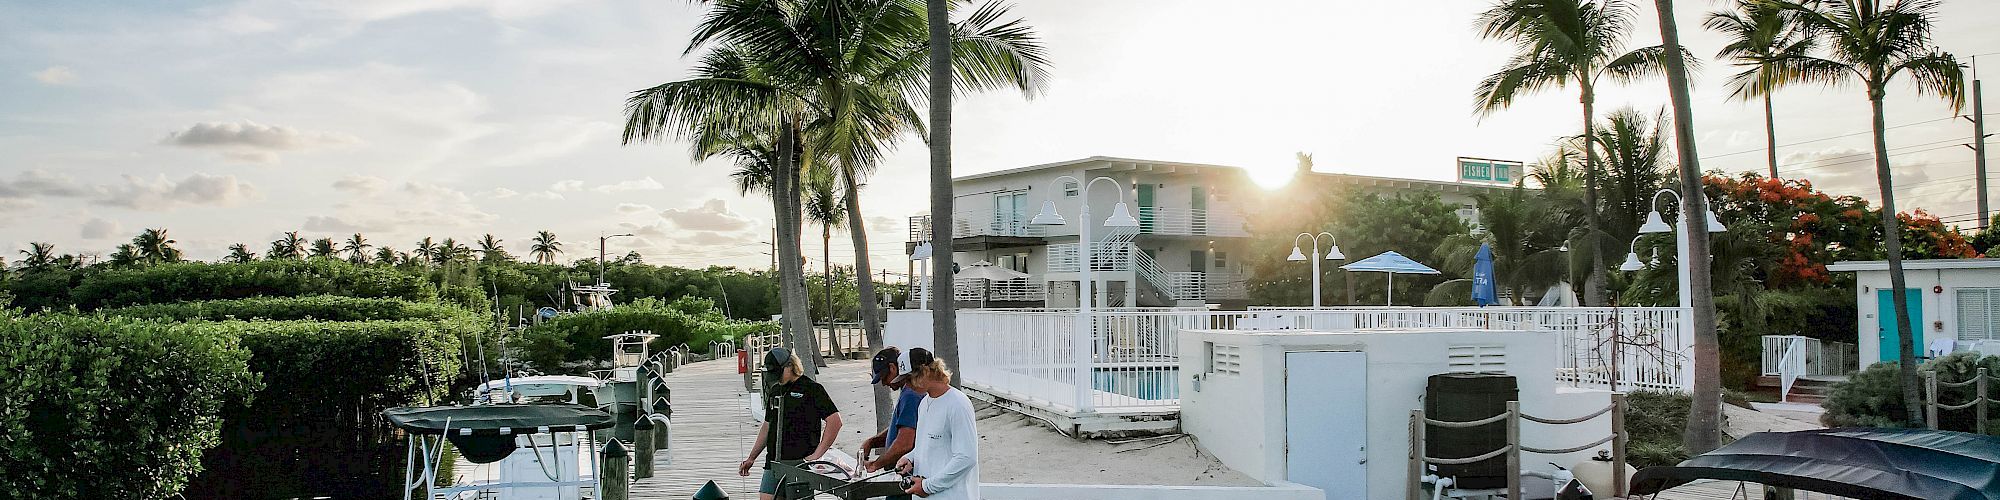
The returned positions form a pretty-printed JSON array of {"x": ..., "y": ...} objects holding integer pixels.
[{"x": 1132, "y": 361}]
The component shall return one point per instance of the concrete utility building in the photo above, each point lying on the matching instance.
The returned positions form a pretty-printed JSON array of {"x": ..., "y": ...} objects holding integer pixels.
[{"x": 1954, "y": 306}]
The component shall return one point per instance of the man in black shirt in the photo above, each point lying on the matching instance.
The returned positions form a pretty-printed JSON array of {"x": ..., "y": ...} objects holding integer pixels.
[{"x": 806, "y": 418}]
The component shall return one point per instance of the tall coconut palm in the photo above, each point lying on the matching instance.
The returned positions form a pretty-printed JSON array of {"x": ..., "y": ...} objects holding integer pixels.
[
  {"x": 1559, "y": 42},
  {"x": 386, "y": 255},
  {"x": 154, "y": 247},
  {"x": 291, "y": 246},
  {"x": 545, "y": 247},
  {"x": 39, "y": 256},
  {"x": 1873, "y": 42},
  {"x": 323, "y": 248},
  {"x": 426, "y": 251},
  {"x": 1760, "y": 35},
  {"x": 1704, "y": 427},
  {"x": 125, "y": 255},
  {"x": 356, "y": 248},
  {"x": 239, "y": 254},
  {"x": 1633, "y": 149},
  {"x": 823, "y": 208},
  {"x": 944, "y": 313},
  {"x": 491, "y": 251}
]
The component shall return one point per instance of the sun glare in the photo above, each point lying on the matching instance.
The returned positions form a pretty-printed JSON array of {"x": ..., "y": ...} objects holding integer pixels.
[{"x": 1272, "y": 178}]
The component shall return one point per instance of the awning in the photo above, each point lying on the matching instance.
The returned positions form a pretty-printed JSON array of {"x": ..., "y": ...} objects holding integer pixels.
[
  {"x": 491, "y": 419},
  {"x": 1849, "y": 462}
]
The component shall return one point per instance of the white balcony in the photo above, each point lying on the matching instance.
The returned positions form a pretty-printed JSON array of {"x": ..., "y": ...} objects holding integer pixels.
[
  {"x": 1169, "y": 221},
  {"x": 969, "y": 223}
]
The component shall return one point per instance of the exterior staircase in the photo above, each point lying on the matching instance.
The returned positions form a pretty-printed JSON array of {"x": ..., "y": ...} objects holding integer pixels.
[{"x": 1810, "y": 389}]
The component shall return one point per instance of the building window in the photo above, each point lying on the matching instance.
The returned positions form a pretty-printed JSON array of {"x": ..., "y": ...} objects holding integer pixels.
[
  {"x": 1221, "y": 259},
  {"x": 1070, "y": 189},
  {"x": 1978, "y": 314}
]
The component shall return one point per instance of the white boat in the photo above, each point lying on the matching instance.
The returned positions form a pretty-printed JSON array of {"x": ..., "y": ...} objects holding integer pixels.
[
  {"x": 539, "y": 389},
  {"x": 541, "y": 451}
]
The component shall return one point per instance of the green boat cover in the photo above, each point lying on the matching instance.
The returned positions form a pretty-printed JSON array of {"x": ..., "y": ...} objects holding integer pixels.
[
  {"x": 1850, "y": 462},
  {"x": 490, "y": 419}
]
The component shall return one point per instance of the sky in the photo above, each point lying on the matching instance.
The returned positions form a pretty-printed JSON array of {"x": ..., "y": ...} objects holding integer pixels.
[{"x": 235, "y": 121}]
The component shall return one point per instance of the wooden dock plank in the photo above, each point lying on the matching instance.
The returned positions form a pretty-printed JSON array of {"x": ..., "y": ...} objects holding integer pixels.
[{"x": 711, "y": 433}]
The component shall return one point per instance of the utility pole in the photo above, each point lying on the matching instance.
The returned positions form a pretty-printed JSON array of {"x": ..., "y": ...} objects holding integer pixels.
[
  {"x": 1979, "y": 148},
  {"x": 600, "y": 256}
]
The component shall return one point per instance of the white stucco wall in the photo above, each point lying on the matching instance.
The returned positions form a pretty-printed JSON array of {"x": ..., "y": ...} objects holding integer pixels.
[
  {"x": 1940, "y": 308},
  {"x": 1241, "y": 418}
]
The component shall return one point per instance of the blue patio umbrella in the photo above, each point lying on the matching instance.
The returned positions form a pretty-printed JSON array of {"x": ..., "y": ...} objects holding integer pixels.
[
  {"x": 1484, "y": 292},
  {"x": 1392, "y": 263}
]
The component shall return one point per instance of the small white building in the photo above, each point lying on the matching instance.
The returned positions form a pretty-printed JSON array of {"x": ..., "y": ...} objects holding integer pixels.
[
  {"x": 1955, "y": 300},
  {"x": 1331, "y": 410}
]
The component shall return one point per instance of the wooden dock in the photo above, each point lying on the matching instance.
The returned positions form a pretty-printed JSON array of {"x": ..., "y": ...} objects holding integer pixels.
[{"x": 711, "y": 433}]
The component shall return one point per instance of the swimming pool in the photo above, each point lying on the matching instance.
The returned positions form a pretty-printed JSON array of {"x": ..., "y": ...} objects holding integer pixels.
[{"x": 1144, "y": 383}]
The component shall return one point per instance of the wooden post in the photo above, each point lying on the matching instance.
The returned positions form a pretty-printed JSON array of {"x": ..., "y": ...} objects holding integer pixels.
[
  {"x": 1979, "y": 409},
  {"x": 1930, "y": 400},
  {"x": 660, "y": 441},
  {"x": 1618, "y": 478},
  {"x": 613, "y": 483},
  {"x": 1513, "y": 449},
  {"x": 1416, "y": 454},
  {"x": 642, "y": 436}
]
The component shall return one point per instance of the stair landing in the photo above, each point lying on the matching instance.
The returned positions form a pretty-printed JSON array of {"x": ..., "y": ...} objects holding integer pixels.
[{"x": 1809, "y": 389}]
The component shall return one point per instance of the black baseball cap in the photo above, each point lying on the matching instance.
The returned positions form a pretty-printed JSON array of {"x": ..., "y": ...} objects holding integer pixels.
[
  {"x": 777, "y": 359},
  {"x": 884, "y": 359}
]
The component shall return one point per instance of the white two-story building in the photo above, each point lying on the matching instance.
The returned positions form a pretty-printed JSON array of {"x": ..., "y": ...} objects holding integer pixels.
[{"x": 1186, "y": 250}]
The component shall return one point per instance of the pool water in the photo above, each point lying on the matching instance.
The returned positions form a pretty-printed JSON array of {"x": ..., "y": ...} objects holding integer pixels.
[{"x": 1150, "y": 383}]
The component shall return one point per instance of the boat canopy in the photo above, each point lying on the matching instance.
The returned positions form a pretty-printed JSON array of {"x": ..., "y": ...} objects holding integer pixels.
[
  {"x": 499, "y": 419},
  {"x": 540, "y": 380},
  {"x": 1849, "y": 462}
]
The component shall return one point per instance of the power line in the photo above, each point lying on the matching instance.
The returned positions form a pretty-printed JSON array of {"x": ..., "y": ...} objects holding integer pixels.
[{"x": 1760, "y": 150}]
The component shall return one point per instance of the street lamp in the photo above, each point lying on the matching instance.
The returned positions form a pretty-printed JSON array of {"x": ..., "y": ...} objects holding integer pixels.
[
  {"x": 922, "y": 254},
  {"x": 1632, "y": 258},
  {"x": 1654, "y": 224},
  {"x": 600, "y": 255},
  {"x": 1332, "y": 253},
  {"x": 1121, "y": 216}
]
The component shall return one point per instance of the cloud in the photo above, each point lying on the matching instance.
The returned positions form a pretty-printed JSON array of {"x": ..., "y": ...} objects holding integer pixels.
[
  {"x": 412, "y": 205},
  {"x": 633, "y": 208},
  {"x": 363, "y": 184},
  {"x": 39, "y": 183},
  {"x": 430, "y": 191},
  {"x": 501, "y": 193},
  {"x": 566, "y": 185},
  {"x": 98, "y": 228},
  {"x": 646, "y": 184},
  {"x": 159, "y": 193},
  {"x": 55, "y": 75},
  {"x": 712, "y": 215},
  {"x": 332, "y": 224},
  {"x": 543, "y": 195},
  {"x": 252, "y": 142}
]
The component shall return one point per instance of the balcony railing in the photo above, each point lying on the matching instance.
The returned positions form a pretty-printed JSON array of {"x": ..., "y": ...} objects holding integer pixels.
[
  {"x": 1191, "y": 222},
  {"x": 1018, "y": 290},
  {"x": 970, "y": 223}
]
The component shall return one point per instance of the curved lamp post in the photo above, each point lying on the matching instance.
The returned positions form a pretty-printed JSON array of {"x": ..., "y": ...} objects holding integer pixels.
[
  {"x": 1332, "y": 253},
  {"x": 922, "y": 254},
  {"x": 1654, "y": 224},
  {"x": 1121, "y": 216},
  {"x": 600, "y": 255}
]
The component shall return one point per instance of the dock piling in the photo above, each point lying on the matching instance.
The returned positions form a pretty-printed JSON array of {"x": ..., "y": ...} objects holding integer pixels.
[
  {"x": 642, "y": 436},
  {"x": 615, "y": 482}
]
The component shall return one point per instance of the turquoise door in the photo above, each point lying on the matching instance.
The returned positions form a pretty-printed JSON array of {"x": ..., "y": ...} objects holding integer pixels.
[
  {"x": 1885, "y": 321},
  {"x": 1145, "y": 195}
]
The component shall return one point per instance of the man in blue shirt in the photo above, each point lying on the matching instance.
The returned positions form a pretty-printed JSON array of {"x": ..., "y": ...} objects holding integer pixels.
[{"x": 892, "y": 369}]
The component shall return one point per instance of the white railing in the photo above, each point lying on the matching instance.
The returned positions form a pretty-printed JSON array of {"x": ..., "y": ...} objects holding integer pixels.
[
  {"x": 979, "y": 223},
  {"x": 1224, "y": 285},
  {"x": 1789, "y": 357},
  {"x": 1017, "y": 290},
  {"x": 1030, "y": 356},
  {"x": 1105, "y": 256},
  {"x": 1190, "y": 222}
]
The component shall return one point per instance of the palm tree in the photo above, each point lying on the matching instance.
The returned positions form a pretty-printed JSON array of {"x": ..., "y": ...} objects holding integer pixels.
[
  {"x": 291, "y": 246},
  {"x": 545, "y": 247},
  {"x": 1760, "y": 35},
  {"x": 1873, "y": 42},
  {"x": 1633, "y": 149},
  {"x": 386, "y": 255},
  {"x": 824, "y": 209},
  {"x": 239, "y": 254},
  {"x": 1704, "y": 427},
  {"x": 127, "y": 254},
  {"x": 449, "y": 251},
  {"x": 322, "y": 248},
  {"x": 490, "y": 250},
  {"x": 38, "y": 256},
  {"x": 153, "y": 247},
  {"x": 356, "y": 248},
  {"x": 944, "y": 314},
  {"x": 426, "y": 250},
  {"x": 1558, "y": 42}
]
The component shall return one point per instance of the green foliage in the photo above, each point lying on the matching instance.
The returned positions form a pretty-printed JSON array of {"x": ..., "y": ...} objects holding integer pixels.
[
  {"x": 316, "y": 427},
  {"x": 320, "y": 307},
  {"x": 579, "y": 337},
  {"x": 273, "y": 278},
  {"x": 111, "y": 407},
  {"x": 1825, "y": 313},
  {"x": 1874, "y": 397},
  {"x": 1655, "y": 422},
  {"x": 1413, "y": 224}
]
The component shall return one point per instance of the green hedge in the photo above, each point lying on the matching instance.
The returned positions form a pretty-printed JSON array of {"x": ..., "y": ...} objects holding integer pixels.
[
  {"x": 1873, "y": 397},
  {"x": 190, "y": 281},
  {"x": 578, "y": 338},
  {"x": 111, "y": 407},
  {"x": 320, "y": 307},
  {"x": 1655, "y": 421},
  {"x": 316, "y": 428}
]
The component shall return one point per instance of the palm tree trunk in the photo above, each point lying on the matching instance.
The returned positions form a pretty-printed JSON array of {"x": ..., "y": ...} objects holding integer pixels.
[
  {"x": 864, "y": 288},
  {"x": 826, "y": 262},
  {"x": 944, "y": 314},
  {"x": 1704, "y": 427},
  {"x": 1770, "y": 137},
  {"x": 1593, "y": 285},
  {"x": 1892, "y": 241},
  {"x": 797, "y": 321}
]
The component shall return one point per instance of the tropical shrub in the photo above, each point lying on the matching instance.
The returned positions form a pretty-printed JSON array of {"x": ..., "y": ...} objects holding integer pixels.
[
  {"x": 111, "y": 407},
  {"x": 578, "y": 338},
  {"x": 1654, "y": 423},
  {"x": 319, "y": 307},
  {"x": 316, "y": 429},
  {"x": 1874, "y": 397},
  {"x": 188, "y": 281}
]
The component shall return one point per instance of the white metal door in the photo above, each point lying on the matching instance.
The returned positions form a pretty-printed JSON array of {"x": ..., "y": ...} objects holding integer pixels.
[{"x": 1326, "y": 422}]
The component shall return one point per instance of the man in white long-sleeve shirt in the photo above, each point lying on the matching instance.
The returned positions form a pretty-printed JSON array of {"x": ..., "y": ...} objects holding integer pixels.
[{"x": 945, "y": 463}]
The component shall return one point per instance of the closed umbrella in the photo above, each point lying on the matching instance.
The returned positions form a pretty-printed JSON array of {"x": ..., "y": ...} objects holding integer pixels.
[
  {"x": 1392, "y": 263},
  {"x": 1484, "y": 292}
]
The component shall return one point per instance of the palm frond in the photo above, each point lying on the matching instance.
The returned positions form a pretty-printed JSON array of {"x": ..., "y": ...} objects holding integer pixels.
[{"x": 1937, "y": 74}]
